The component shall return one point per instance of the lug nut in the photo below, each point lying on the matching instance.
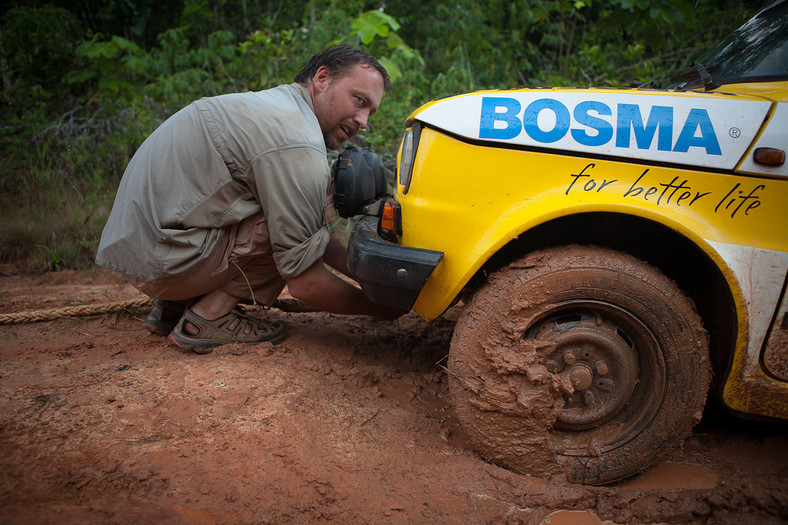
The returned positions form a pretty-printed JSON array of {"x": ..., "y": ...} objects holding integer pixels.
[
  {"x": 588, "y": 398},
  {"x": 602, "y": 368},
  {"x": 569, "y": 358}
]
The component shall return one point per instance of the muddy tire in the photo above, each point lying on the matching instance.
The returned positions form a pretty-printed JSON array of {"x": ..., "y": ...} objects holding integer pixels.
[{"x": 578, "y": 363}]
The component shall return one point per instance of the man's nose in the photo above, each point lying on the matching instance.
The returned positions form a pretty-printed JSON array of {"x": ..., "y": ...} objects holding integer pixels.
[{"x": 361, "y": 119}]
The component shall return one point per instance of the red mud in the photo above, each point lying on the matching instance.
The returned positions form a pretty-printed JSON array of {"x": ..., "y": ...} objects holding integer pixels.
[{"x": 347, "y": 420}]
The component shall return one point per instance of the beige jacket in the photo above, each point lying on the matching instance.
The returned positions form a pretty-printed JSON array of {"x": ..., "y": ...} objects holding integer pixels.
[{"x": 209, "y": 166}]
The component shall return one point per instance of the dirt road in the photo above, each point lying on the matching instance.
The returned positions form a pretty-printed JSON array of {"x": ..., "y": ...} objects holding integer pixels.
[{"x": 346, "y": 421}]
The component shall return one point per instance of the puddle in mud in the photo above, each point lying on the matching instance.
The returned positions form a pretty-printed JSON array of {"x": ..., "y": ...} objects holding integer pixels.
[{"x": 673, "y": 476}]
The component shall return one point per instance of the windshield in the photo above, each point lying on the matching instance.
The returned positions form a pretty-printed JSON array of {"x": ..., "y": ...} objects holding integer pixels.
[{"x": 756, "y": 52}]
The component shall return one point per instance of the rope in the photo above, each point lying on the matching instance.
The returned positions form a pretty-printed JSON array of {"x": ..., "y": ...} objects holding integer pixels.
[
  {"x": 73, "y": 311},
  {"x": 35, "y": 316}
]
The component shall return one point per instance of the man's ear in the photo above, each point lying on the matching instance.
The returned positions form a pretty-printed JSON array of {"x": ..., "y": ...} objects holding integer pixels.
[{"x": 322, "y": 78}]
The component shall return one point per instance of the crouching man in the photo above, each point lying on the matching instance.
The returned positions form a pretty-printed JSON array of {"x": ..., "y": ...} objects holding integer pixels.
[{"x": 226, "y": 201}]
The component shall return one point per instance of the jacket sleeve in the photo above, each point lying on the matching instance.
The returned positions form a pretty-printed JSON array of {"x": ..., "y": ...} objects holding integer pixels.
[{"x": 291, "y": 185}]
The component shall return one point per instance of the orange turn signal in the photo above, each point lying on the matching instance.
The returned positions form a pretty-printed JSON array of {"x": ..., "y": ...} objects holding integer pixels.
[
  {"x": 389, "y": 219},
  {"x": 769, "y": 156}
]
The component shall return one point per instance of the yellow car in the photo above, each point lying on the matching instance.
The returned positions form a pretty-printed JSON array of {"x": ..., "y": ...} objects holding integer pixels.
[{"x": 618, "y": 251}]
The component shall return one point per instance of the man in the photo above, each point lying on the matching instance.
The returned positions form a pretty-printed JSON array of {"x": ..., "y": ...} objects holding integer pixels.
[{"x": 227, "y": 200}]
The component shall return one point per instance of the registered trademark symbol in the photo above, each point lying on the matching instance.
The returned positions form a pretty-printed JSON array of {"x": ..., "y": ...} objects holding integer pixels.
[{"x": 735, "y": 133}]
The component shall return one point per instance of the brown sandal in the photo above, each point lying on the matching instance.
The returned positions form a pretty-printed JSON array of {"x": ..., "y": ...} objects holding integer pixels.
[
  {"x": 164, "y": 316},
  {"x": 233, "y": 327}
]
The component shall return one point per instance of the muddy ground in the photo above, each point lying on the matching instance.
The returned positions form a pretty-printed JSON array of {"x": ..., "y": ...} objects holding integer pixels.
[{"x": 346, "y": 421}]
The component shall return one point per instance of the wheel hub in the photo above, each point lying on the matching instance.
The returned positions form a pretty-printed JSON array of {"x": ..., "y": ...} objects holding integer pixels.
[
  {"x": 581, "y": 377},
  {"x": 601, "y": 366}
]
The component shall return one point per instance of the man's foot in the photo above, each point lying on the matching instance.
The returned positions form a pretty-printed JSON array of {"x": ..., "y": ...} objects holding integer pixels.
[
  {"x": 163, "y": 316},
  {"x": 201, "y": 335}
]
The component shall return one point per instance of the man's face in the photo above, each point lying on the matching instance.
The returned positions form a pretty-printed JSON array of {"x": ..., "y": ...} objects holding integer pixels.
[{"x": 343, "y": 105}]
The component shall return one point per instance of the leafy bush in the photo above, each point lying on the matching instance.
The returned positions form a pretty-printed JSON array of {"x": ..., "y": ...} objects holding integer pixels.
[{"x": 37, "y": 54}]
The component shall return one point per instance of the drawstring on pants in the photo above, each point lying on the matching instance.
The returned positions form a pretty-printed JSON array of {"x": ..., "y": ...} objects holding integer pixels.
[{"x": 254, "y": 301}]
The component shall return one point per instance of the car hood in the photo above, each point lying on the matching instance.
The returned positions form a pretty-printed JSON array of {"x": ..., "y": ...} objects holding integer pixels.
[{"x": 707, "y": 130}]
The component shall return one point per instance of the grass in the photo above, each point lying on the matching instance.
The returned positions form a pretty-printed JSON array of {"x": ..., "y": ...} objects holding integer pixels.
[
  {"x": 57, "y": 184},
  {"x": 52, "y": 229}
]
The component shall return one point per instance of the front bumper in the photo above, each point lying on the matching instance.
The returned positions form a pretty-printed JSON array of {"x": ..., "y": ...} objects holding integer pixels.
[{"x": 389, "y": 274}]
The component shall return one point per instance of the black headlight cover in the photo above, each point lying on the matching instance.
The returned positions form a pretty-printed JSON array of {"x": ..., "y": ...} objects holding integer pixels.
[{"x": 359, "y": 179}]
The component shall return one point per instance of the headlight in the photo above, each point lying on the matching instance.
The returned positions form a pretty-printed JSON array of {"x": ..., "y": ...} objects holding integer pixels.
[{"x": 410, "y": 143}]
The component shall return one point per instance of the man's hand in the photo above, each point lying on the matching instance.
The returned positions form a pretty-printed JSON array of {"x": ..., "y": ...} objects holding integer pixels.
[{"x": 322, "y": 289}]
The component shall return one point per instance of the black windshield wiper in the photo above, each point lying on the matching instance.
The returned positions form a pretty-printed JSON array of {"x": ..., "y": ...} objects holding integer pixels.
[{"x": 705, "y": 76}]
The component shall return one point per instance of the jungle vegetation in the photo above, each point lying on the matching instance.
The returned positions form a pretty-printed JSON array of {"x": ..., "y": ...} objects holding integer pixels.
[{"x": 85, "y": 81}]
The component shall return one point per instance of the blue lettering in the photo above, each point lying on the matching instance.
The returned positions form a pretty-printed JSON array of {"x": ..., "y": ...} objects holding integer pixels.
[
  {"x": 562, "y": 120},
  {"x": 500, "y": 120},
  {"x": 491, "y": 115},
  {"x": 604, "y": 131},
  {"x": 698, "y": 118},
  {"x": 629, "y": 117}
]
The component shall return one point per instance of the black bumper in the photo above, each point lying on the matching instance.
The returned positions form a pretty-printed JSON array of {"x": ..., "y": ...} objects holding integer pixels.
[{"x": 389, "y": 274}]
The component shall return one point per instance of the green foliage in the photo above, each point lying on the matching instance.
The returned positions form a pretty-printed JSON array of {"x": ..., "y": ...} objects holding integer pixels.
[
  {"x": 37, "y": 52},
  {"x": 267, "y": 57},
  {"x": 75, "y": 108},
  {"x": 179, "y": 72},
  {"x": 376, "y": 27},
  {"x": 115, "y": 65}
]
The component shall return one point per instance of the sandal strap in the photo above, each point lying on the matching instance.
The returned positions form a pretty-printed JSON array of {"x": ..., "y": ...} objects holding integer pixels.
[{"x": 234, "y": 327}]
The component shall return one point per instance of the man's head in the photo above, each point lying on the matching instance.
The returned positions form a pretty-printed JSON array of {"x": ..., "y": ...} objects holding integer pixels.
[
  {"x": 346, "y": 86},
  {"x": 339, "y": 60}
]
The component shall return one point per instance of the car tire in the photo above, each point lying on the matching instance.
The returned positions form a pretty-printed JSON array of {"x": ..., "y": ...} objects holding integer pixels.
[{"x": 578, "y": 363}]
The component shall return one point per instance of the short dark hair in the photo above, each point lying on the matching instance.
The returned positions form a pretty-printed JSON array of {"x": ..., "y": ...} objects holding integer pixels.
[{"x": 339, "y": 60}]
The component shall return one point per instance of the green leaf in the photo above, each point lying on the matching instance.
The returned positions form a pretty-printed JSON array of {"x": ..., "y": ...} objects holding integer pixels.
[
  {"x": 370, "y": 24},
  {"x": 393, "y": 69},
  {"x": 366, "y": 34},
  {"x": 125, "y": 45},
  {"x": 394, "y": 41},
  {"x": 77, "y": 77}
]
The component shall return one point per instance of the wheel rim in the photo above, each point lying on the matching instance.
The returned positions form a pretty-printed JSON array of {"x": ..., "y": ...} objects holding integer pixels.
[{"x": 615, "y": 366}]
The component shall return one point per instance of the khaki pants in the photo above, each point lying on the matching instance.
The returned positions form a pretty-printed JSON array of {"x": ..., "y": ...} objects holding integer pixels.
[{"x": 242, "y": 266}]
